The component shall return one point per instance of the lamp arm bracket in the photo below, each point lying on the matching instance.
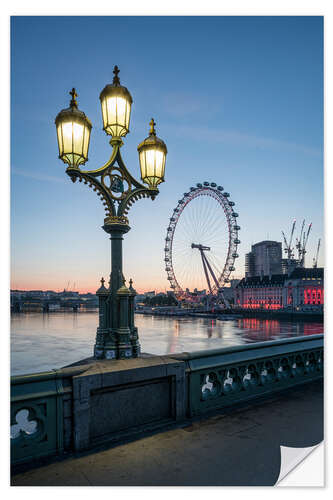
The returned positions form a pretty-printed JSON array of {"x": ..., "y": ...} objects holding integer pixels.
[
  {"x": 102, "y": 191},
  {"x": 100, "y": 171},
  {"x": 127, "y": 174},
  {"x": 133, "y": 196},
  {"x": 113, "y": 183},
  {"x": 115, "y": 158},
  {"x": 115, "y": 162}
]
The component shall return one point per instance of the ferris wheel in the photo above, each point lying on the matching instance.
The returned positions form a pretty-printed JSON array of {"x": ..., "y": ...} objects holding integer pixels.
[{"x": 201, "y": 241}]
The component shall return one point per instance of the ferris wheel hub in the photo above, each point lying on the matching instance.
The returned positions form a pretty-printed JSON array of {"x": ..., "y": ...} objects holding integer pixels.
[{"x": 199, "y": 246}]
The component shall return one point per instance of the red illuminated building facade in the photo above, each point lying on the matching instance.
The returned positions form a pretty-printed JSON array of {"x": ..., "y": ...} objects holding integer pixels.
[{"x": 302, "y": 289}]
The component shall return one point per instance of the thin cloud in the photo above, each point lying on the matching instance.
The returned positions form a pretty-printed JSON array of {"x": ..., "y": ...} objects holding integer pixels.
[
  {"x": 248, "y": 140},
  {"x": 36, "y": 176}
]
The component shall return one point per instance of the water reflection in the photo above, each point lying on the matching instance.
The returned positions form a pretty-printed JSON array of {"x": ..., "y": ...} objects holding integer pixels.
[
  {"x": 52, "y": 340},
  {"x": 256, "y": 330}
]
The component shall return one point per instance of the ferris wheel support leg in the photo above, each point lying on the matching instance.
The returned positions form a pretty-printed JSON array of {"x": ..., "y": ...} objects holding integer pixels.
[
  {"x": 224, "y": 300},
  {"x": 211, "y": 271},
  {"x": 205, "y": 269}
]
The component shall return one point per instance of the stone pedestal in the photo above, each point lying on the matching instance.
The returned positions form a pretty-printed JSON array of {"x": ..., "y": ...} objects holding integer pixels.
[{"x": 123, "y": 398}]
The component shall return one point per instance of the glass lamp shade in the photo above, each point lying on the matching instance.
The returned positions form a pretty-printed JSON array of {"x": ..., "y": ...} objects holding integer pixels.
[
  {"x": 152, "y": 156},
  {"x": 73, "y": 131},
  {"x": 116, "y": 102}
]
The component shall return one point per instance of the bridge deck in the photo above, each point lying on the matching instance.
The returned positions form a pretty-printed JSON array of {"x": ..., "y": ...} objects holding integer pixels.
[{"x": 240, "y": 448}]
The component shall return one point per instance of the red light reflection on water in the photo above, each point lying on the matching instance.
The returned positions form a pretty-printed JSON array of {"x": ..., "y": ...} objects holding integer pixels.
[{"x": 268, "y": 329}]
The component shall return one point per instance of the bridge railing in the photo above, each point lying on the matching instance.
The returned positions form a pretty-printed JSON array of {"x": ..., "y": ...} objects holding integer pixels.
[
  {"x": 50, "y": 411},
  {"x": 220, "y": 378},
  {"x": 41, "y": 414}
]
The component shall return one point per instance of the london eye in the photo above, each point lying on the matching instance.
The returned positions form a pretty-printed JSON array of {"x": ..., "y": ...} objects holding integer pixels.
[{"x": 201, "y": 242}]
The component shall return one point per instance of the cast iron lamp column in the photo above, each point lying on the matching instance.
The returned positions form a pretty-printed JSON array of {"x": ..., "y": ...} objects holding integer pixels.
[{"x": 116, "y": 335}]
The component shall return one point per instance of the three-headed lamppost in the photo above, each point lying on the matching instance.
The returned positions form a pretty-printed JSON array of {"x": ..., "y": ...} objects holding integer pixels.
[{"x": 117, "y": 336}]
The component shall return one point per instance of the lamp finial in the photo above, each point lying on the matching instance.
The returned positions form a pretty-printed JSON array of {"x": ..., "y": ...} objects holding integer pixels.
[
  {"x": 73, "y": 103},
  {"x": 152, "y": 130},
  {"x": 116, "y": 80}
]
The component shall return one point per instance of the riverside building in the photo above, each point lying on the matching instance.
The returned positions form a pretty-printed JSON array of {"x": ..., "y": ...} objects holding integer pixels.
[{"x": 302, "y": 289}]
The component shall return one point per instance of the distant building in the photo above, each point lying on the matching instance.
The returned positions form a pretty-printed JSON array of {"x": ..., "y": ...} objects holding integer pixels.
[
  {"x": 150, "y": 294},
  {"x": 288, "y": 265},
  {"x": 249, "y": 264},
  {"x": 303, "y": 288},
  {"x": 264, "y": 259},
  {"x": 35, "y": 293}
]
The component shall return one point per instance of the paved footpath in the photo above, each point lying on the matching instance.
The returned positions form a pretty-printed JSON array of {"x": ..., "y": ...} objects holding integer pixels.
[{"x": 241, "y": 448}]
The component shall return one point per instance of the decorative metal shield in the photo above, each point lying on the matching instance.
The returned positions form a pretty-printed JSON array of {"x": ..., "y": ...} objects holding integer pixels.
[{"x": 117, "y": 185}]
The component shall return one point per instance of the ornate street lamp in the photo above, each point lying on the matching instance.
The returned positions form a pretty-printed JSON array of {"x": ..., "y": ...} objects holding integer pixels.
[
  {"x": 73, "y": 131},
  {"x": 152, "y": 154},
  {"x": 117, "y": 336}
]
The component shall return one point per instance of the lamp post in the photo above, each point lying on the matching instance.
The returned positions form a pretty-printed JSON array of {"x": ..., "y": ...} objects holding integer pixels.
[{"x": 116, "y": 336}]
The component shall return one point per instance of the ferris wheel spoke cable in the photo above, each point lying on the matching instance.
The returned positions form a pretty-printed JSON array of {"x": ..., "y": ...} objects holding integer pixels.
[{"x": 212, "y": 230}]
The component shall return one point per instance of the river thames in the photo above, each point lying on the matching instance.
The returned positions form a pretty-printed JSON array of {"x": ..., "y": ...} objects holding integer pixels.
[{"x": 42, "y": 342}]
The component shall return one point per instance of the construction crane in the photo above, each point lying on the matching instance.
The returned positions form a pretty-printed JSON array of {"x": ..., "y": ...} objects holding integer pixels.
[
  {"x": 299, "y": 242},
  {"x": 315, "y": 259},
  {"x": 303, "y": 246},
  {"x": 287, "y": 246},
  {"x": 300, "y": 245}
]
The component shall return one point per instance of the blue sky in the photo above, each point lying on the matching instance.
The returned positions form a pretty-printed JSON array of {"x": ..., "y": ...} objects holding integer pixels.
[{"x": 238, "y": 101}]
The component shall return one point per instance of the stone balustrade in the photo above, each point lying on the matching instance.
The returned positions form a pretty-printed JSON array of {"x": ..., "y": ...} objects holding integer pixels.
[
  {"x": 224, "y": 377},
  {"x": 95, "y": 402}
]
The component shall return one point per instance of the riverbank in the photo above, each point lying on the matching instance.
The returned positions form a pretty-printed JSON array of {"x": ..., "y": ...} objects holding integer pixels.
[{"x": 240, "y": 313}]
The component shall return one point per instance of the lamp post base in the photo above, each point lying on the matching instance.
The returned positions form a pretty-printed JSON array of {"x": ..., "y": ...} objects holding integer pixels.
[
  {"x": 116, "y": 337},
  {"x": 110, "y": 354}
]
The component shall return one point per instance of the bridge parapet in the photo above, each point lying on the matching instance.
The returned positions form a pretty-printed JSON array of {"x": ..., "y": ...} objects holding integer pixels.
[
  {"x": 94, "y": 402},
  {"x": 41, "y": 414},
  {"x": 221, "y": 378}
]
